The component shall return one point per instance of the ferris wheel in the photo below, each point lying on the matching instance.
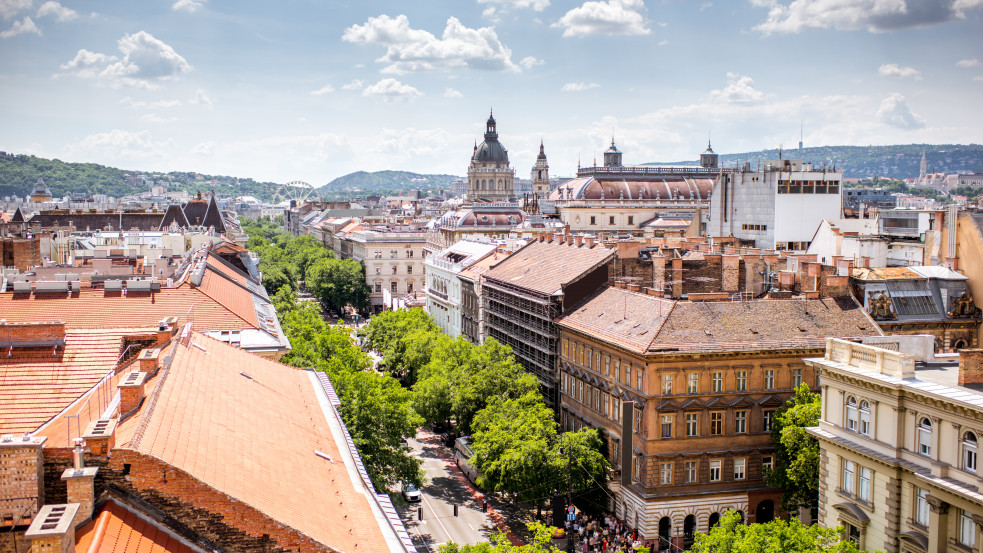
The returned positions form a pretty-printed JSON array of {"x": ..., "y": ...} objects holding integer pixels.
[{"x": 298, "y": 191}]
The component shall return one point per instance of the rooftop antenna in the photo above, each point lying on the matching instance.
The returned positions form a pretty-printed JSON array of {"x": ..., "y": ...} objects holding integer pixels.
[{"x": 800, "y": 136}]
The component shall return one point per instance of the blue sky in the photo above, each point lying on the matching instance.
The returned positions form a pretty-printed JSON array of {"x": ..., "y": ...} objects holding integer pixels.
[{"x": 311, "y": 90}]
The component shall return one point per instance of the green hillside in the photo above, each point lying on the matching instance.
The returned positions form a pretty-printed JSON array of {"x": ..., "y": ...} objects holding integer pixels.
[{"x": 897, "y": 162}]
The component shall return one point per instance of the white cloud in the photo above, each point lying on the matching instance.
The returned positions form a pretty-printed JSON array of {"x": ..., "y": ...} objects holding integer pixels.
[
  {"x": 354, "y": 85},
  {"x": 739, "y": 90},
  {"x": 119, "y": 146},
  {"x": 154, "y": 118},
  {"x": 873, "y": 15},
  {"x": 145, "y": 59},
  {"x": 60, "y": 13},
  {"x": 978, "y": 78},
  {"x": 23, "y": 26},
  {"x": 535, "y": 5},
  {"x": 391, "y": 89},
  {"x": 452, "y": 93},
  {"x": 577, "y": 87},
  {"x": 409, "y": 50},
  {"x": 663, "y": 42},
  {"x": 323, "y": 90},
  {"x": 968, "y": 63},
  {"x": 895, "y": 112},
  {"x": 139, "y": 104},
  {"x": 894, "y": 70},
  {"x": 190, "y": 6},
  {"x": 201, "y": 99},
  {"x": 10, "y": 8},
  {"x": 609, "y": 17},
  {"x": 529, "y": 62},
  {"x": 204, "y": 148},
  {"x": 87, "y": 64}
]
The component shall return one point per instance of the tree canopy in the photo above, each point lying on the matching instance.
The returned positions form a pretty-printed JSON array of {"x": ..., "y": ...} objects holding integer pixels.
[
  {"x": 731, "y": 535},
  {"x": 796, "y": 452}
]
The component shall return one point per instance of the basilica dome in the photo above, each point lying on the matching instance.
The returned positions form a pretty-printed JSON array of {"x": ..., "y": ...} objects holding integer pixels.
[{"x": 491, "y": 150}]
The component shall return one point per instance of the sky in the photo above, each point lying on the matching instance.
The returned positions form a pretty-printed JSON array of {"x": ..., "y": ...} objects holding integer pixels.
[{"x": 311, "y": 90}]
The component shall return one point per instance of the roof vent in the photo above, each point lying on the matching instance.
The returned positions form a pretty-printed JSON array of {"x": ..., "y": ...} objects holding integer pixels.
[{"x": 113, "y": 285}]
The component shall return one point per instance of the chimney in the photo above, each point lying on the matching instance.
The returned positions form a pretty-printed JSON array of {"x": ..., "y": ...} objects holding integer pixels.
[
  {"x": 589, "y": 240},
  {"x": 166, "y": 329},
  {"x": 21, "y": 477},
  {"x": 149, "y": 360},
  {"x": 39, "y": 334},
  {"x": 628, "y": 250},
  {"x": 100, "y": 435},
  {"x": 131, "y": 391},
  {"x": 579, "y": 240},
  {"x": 970, "y": 366},
  {"x": 80, "y": 481},
  {"x": 53, "y": 531}
]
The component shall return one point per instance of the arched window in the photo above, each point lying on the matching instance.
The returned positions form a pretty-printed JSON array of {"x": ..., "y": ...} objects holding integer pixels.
[
  {"x": 851, "y": 414},
  {"x": 714, "y": 519},
  {"x": 925, "y": 436},
  {"x": 969, "y": 452},
  {"x": 865, "y": 417}
]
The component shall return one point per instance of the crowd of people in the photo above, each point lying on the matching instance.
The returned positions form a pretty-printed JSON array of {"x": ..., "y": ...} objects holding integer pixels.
[{"x": 604, "y": 534}]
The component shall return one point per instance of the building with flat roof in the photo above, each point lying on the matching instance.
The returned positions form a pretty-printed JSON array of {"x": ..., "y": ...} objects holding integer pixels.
[
  {"x": 444, "y": 288},
  {"x": 899, "y": 444}
]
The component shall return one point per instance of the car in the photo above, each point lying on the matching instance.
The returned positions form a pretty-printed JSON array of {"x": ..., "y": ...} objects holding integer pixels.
[
  {"x": 448, "y": 438},
  {"x": 411, "y": 493}
]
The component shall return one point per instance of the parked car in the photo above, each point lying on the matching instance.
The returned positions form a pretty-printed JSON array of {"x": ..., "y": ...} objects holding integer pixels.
[
  {"x": 410, "y": 493},
  {"x": 448, "y": 438}
]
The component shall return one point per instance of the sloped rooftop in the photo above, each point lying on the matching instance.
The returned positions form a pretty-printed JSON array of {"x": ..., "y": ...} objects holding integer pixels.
[{"x": 546, "y": 267}]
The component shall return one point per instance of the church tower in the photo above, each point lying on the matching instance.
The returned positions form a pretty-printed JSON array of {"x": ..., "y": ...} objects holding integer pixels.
[
  {"x": 490, "y": 178},
  {"x": 612, "y": 156},
  {"x": 923, "y": 170},
  {"x": 708, "y": 159},
  {"x": 541, "y": 174}
]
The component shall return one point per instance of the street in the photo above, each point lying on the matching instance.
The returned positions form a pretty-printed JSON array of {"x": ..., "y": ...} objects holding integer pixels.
[{"x": 446, "y": 486}]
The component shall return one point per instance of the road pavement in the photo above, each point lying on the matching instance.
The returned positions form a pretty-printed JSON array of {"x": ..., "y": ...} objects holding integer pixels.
[{"x": 446, "y": 487}]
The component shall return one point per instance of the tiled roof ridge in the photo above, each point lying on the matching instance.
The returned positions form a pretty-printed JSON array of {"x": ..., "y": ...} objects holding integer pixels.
[
  {"x": 661, "y": 325},
  {"x": 231, "y": 267},
  {"x": 146, "y": 413}
]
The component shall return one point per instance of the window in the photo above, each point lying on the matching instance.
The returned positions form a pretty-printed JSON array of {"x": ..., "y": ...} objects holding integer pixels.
[
  {"x": 638, "y": 421},
  {"x": 865, "y": 417},
  {"x": 666, "y": 426},
  {"x": 851, "y": 414},
  {"x": 921, "y": 506},
  {"x": 665, "y": 473},
  {"x": 667, "y": 384},
  {"x": 690, "y": 472},
  {"x": 716, "y": 423},
  {"x": 593, "y": 220},
  {"x": 692, "y": 383},
  {"x": 597, "y": 364},
  {"x": 691, "y": 424},
  {"x": 631, "y": 219},
  {"x": 969, "y": 452},
  {"x": 967, "y": 529},
  {"x": 617, "y": 369},
  {"x": 767, "y": 463},
  {"x": 636, "y": 468},
  {"x": 770, "y": 379},
  {"x": 767, "y": 417},
  {"x": 409, "y": 253},
  {"x": 617, "y": 408},
  {"x": 718, "y": 382},
  {"x": 581, "y": 391},
  {"x": 846, "y": 483},
  {"x": 796, "y": 377},
  {"x": 590, "y": 357},
  {"x": 638, "y": 380},
  {"x": 395, "y": 268},
  {"x": 863, "y": 491},
  {"x": 378, "y": 254},
  {"x": 378, "y": 270},
  {"x": 409, "y": 287},
  {"x": 607, "y": 406},
  {"x": 852, "y": 534},
  {"x": 409, "y": 269},
  {"x": 393, "y": 254},
  {"x": 607, "y": 366},
  {"x": 925, "y": 436},
  {"x": 715, "y": 471},
  {"x": 611, "y": 220},
  {"x": 740, "y": 422},
  {"x": 741, "y": 381},
  {"x": 739, "y": 469},
  {"x": 392, "y": 286},
  {"x": 378, "y": 287}
]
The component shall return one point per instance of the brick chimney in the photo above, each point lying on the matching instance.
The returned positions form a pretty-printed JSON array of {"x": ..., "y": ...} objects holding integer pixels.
[
  {"x": 37, "y": 334},
  {"x": 166, "y": 329},
  {"x": 53, "y": 531},
  {"x": 970, "y": 366},
  {"x": 80, "y": 481},
  {"x": 628, "y": 250},
  {"x": 100, "y": 436},
  {"x": 21, "y": 477},
  {"x": 131, "y": 390},
  {"x": 149, "y": 360},
  {"x": 589, "y": 241}
]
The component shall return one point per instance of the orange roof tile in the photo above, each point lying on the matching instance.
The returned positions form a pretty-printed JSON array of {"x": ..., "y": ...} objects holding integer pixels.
[
  {"x": 229, "y": 295},
  {"x": 116, "y": 529},
  {"x": 95, "y": 308},
  {"x": 265, "y": 427},
  {"x": 36, "y": 385}
]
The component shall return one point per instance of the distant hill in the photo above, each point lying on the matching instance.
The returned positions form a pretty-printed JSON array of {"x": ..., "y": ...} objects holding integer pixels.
[
  {"x": 19, "y": 173},
  {"x": 387, "y": 181},
  {"x": 896, "y": 162}
]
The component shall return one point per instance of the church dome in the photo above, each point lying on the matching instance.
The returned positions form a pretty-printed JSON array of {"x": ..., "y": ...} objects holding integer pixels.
[{"x": 491, "y": 150}]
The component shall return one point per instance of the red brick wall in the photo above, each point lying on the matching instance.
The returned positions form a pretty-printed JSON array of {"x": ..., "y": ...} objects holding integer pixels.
[{"x": 970, "y": 366}]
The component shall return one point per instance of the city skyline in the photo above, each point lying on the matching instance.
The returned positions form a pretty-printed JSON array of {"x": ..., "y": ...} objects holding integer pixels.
[{"x": 305, "y": 91}]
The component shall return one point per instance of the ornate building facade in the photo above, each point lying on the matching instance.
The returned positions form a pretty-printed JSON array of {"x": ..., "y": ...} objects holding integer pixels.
[{"x": 490, "y": 177}]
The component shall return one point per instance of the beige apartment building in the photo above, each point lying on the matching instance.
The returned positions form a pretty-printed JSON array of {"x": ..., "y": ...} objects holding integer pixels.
[
  {"x": 393, "y": 263},
  {"x": 899, "y": 439}
]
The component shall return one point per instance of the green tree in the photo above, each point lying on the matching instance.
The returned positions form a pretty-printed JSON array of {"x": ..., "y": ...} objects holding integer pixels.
[
  {"x": 542, "y": 542},
  {"x": 796, "y": 452},
  {"x": 731, "y": 535},
  {"x": 338, "y": 283},
  {"x": 580, "y": 458}
]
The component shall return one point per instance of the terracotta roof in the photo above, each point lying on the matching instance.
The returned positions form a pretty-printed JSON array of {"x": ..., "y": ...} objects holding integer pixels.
[
  {"x": 250, "y": 428},
  {"x": 546, "y": 267},
  {"x": 481, "y": 266},
  {"x": 95, "y": 308},
  {"x": 117, "y": 529},
  {"x": 646, "y": 323},
  {"x": 36, "y": 385},
  {"x": 884, "y": 273}
]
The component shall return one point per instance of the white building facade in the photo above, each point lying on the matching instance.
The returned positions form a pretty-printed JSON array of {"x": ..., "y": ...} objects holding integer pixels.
[{"x": 443, "y": 286}]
